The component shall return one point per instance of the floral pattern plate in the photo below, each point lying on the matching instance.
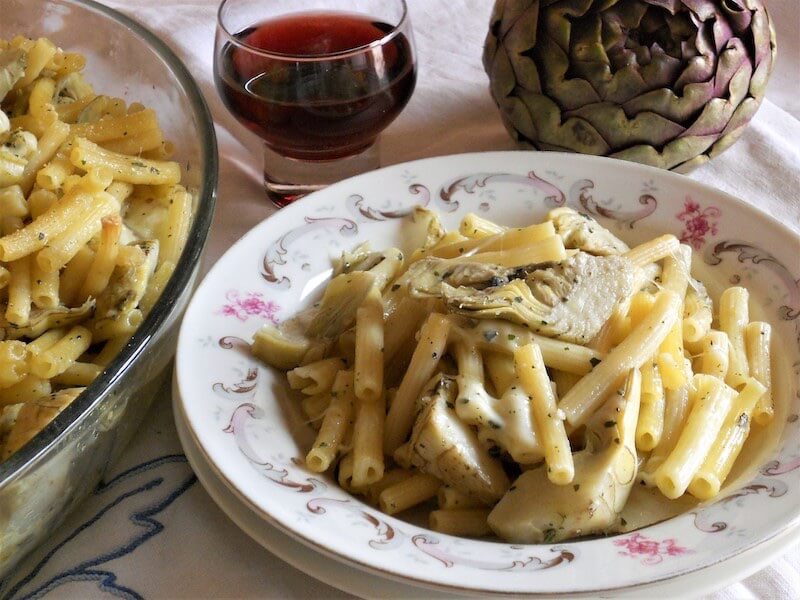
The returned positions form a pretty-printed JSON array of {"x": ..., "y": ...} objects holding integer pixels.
[{"x": 254, "y": 435}]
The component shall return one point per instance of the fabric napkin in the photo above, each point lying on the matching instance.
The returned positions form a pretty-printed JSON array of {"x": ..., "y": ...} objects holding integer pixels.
[{"x": 151, "y": 530}]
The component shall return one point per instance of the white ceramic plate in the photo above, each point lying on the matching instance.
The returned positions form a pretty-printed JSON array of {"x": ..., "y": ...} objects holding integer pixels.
[
  {"x": 254, "y": 436},
  {"x": 365, "y": 585}
]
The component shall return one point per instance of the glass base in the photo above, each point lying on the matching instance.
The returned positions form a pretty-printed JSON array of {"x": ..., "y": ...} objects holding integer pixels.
[{"x": 288, "y": 179}]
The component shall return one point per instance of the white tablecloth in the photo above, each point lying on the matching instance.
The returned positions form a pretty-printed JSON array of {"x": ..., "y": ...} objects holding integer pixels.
[{"x": 151, "y": 530}]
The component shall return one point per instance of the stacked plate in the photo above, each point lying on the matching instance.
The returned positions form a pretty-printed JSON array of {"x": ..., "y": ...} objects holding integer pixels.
[{"x": 246, "y": 438}]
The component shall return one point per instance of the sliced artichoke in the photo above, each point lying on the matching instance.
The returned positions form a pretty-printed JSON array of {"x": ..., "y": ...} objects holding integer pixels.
[
  {"x": 536, "y": 510},
  {"x": 360, "y": 258},
  {"x": 502, "y": 424},
  {"x": 445, "y": 447},
  {"x": 15, "y": 151},
  {"x": 582, "y": 232},
  {"x": 384, "y": 265},
  {"x": 424, "y": 230},
  {"x": 20, "y": 144},
  {"x": 12, "y": 68},
  {"x": 278, "y": 349},
  {"x": 43, "y": 319},
  {"x": 98, "y": 108},
  {"x": 34, "y": 416},
  {"x": 337, "y": 311},
  {"x": 426, "y": 277},
  {"x": 143, "y": 218},
  {"x": 570, "y": 301},
  {"x": 72, "y": 87},
  {"x": 128, "y": 283}
]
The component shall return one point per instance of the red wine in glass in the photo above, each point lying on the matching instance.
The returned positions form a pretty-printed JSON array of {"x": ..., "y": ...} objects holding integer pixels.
[{"x": 317, "y": 85}]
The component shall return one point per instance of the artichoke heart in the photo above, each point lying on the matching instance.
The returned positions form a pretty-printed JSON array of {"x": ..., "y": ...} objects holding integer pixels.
[
  {"x": 44, "y": 319},
  {"x": 424, "y": 230},
  {"x": 360, "y": 258},
  {"x": 337, "y": 311},
  {"x": 15, "y": 152},
  {"x": 444, "y": 446},
  {"x": 71, "y": 87},
  {"x": 278, "y": 349},
  {"x": 384, "y": 265},
  {"x": 581, "y": 231},
  {"x": 12, "y": 68},
  {"x": 570, "y": 301},
  {"x": 20, "y": 145},
  {"x": 536, "y": 510},
  {"x": 310, "y": 333},
  {"x": 33, "y": 416},
  {"x": 427, "y": 277},
  {"x": 128, "y": 283}
]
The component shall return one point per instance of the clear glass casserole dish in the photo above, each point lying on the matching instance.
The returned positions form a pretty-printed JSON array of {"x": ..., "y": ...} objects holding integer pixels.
[{"x": 42, "y": 482}]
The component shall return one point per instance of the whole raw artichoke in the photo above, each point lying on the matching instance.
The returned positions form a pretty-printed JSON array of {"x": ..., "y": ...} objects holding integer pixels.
[{"x": 669, "y": 83}]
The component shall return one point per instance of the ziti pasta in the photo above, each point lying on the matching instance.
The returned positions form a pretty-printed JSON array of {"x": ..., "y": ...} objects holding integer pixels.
[
  {"x": 93, "y": 219},
  {"x": 526, "y": 378}
]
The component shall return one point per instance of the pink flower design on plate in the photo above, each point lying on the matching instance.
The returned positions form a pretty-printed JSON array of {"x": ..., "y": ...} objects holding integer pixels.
[
  {"x": 651, "y": 551},
  {"x": 698, "y": 222},
  {"x": 251, "y": 304}
]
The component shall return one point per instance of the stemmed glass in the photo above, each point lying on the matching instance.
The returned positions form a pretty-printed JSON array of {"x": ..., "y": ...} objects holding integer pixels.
[{"x": 317, "y": 81}]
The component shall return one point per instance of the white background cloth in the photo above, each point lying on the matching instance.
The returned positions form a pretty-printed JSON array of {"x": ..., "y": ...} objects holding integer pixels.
[{"x": 153, "y": 531}]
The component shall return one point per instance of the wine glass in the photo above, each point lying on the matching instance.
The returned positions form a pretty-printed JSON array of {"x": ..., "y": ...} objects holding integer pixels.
[{"x": 317, "y": 81}]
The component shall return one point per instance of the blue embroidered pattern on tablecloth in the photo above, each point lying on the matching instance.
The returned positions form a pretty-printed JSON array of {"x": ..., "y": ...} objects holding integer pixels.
[{"x": 143, "y": 518}]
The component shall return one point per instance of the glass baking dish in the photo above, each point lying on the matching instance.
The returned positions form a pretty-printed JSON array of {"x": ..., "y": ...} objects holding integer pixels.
[{"x": 46, "y": 479}]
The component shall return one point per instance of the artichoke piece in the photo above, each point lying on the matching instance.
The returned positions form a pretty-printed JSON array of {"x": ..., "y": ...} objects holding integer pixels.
[
  {"x": 34, "y": 416},
  {"x": 361, "y": 258},
  {"x": 537, "y": 510},
  {"x": 287, "y": 346},
  {"x": 14, "y": 154},
  {"x": 426, "y": 277},
  {"x": 337, "y": 311},
  {"x": 128, "y": 283},
  {"x": 502, "y": 423},
  {"x": 278, "y": 349},
  {"x": 584, "y": 233},
  {"x": 100, "y": 107},
  {"x": 424, "y": 230},
  {"x": 143, "y": 217},
  {"x": 72, "y": 87},
  {"x": 43, "y": 319},
  {"x": 20, "y": 144},
  {"x": 443, "y": 446},
  {"x": 570, "y": 301},
  {"x": 384, "y": 265},
  {"x": 12, "y": 68}
]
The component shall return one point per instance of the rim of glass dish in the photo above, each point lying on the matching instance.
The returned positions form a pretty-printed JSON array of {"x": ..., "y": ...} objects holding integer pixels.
[
  {"x": 395, "y": 31},
  {"x": 38, "y": 448}
]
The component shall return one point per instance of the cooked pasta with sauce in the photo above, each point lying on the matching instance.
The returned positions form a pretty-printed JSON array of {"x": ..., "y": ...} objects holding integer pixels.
[
  {"x": 540, "y": 375},
  {"x": 93, "y": 218}
]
